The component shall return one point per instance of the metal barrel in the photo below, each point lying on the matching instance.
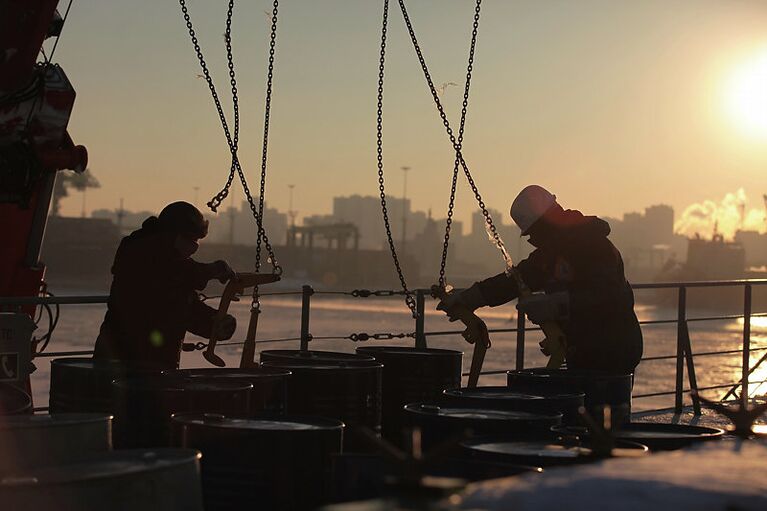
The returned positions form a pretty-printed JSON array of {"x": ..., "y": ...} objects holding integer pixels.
[
  {"x": 144, "y": 405},
  {"x": 656, "y": 436},
  {"x": 441, "y": 424},
  {"x": 505, "y": 398},
  {"x": 412, "y": 375},
  {"x": 313, "y": 357},
  {"x": 542, "y": 453},
  {"x": 350, "y": 393},
  {"x": 262, "y": 463},
  {"x": 38, "y": 440},
  {"x": 601, "y": 389},
  {"x": 14, "y": 401},
  {"x": 81, "y": 385},
  {"x": 166, "y": 479},
  {"x": 270, "y": 385}
]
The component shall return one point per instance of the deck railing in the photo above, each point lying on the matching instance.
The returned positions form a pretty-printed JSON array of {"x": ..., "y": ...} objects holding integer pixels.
[{"x": 684, "y": 356}]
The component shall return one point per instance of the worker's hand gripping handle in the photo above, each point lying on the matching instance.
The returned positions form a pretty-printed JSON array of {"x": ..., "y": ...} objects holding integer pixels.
[
  {"x": 235, "y": 286},
  {"x": 475, "y": 333}
]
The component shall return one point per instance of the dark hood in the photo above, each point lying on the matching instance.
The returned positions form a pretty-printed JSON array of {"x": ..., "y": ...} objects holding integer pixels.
[{"x": 571, "y": 224}]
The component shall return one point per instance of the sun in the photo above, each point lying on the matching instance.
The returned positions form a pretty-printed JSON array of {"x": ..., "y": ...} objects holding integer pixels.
[{"x": 746, "y": 97}]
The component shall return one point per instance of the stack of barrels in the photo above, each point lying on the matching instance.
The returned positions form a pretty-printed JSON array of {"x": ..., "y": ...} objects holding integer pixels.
[{"x": 290, "y": 432}]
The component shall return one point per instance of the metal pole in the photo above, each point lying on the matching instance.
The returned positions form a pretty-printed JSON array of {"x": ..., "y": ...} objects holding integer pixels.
[
  {"x": 520, "y": 340},
  {"x": 746, "y": 343},
  {"x": 681, "y": 318},
  {"x": 306, "y": 297},
  {"x": 420, "y": 305},
  {"x": 404, "y": 208}
]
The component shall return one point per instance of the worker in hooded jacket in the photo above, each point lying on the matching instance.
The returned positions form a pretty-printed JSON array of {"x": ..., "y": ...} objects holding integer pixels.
[
  {"x": 153, "y": 301},
  {"x": 581, "y": 273}
]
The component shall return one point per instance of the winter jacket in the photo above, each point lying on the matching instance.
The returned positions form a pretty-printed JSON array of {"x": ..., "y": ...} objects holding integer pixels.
[
  {"x": 152, "y": 302},
  {"x": 602, "y": 330}
]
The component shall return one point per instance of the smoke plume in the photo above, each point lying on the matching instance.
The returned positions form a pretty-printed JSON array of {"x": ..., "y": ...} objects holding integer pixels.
[{"x": 726, "y": 217}]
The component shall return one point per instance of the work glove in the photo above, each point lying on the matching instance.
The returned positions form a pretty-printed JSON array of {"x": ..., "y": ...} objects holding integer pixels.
[
  {"x": 225, "y": 328},
  {"x": 457, "y": 302},
  {"x": 222, "y": 271},
  {"x": 542, "y": 308}
]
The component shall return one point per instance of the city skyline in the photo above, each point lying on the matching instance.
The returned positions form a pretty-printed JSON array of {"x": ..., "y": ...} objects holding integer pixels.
[{"x": 630, "y": 104}]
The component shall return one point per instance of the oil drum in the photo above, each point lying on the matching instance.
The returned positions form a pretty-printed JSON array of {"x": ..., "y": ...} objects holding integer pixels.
[
  {"x": 37, "y": 440},
  {"x": 504, "y": 398},
  {"x": 656, "y": 436},
  {"x": 440, "y": 424},
  {"x": 13, "y": 400},
  {"x": 144, "y": 405},
  {"x": 313, "y": 357},
  {"x": 81, "y": 385},
  {"x": 350, "y": 393},
  {"x": 412, "y": 375},
  {"x": 542, "y": 453},
  {"x": 166, "y": 479},
  {"x": 261, "y": 463},
  {"x": 270, "y": 385},
  {"x": 601, "y": 389}
]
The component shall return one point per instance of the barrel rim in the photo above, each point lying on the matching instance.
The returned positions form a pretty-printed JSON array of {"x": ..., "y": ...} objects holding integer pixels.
[
  {"x": 409, "y": 350},
  {"x": 412, "y": 408},
  {"x": 466, "y": 392},
  {"x": 295, "y": 368},
  {"x": 328, "y": 423},
  {"x": 229, "y": 372},
  {"x": 222, "y": 385},
  {"x": 166, "y": 458},
  {"x": 44, "y": 421}
]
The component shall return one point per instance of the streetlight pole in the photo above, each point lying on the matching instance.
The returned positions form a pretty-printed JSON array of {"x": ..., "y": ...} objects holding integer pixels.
[
  {"x": 405, "y": 169},
  {"x": 291, "y": 213}
]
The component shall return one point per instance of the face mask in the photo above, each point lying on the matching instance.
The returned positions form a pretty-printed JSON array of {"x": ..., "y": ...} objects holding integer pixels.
[{"x": 185, "y": 246}]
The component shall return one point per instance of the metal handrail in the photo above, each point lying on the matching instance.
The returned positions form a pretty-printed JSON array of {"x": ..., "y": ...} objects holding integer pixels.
[{"x": 684, "y": 355}]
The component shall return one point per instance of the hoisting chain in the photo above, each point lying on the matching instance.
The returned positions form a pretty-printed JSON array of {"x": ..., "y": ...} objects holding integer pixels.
[
  {"x": 454, "y": 181},
  {"x": 409, "y": 298},
  {"x": 233, "y": 141},
  {"x": 456, "y": 142},
  {"x": 256, "y": 304}
]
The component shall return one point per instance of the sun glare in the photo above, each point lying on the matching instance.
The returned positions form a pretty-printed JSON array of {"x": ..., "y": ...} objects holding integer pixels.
[{"x": 747, "y": 97}]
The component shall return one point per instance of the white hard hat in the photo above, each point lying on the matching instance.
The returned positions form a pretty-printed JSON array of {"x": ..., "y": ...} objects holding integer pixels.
[{"x": 530, "y": 205}]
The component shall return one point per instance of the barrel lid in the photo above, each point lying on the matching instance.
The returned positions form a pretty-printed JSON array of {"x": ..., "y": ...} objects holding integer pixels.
[
  {"x": 313, "y": 356},
  {"x": 540, "y": 449},
  {"x": 281, "y": 423},
  {"x": 16, "y": 422},
  {"x": 235, "y": 373},
  {"x": 408, "y": 350},
  {"x": 101, "y": 466},
  {"x": 545, "y": 372},
  {"x": 298, "y": 367},
  {"x": 506, "y": 393},
  {"x": 455, "y": 412},
  {"x": 173, "y": 383},
  {"x": 649, "y": 431}
]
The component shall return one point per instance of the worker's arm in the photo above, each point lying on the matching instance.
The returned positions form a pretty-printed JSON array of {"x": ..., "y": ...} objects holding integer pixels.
[
  {"x": 502, "y": 288},
  {"x": 197, "y": 275}
]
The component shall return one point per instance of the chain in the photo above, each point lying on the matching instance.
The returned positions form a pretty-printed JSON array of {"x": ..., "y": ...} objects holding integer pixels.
[
  {"x": 454, "y": 181},
  {"x": 363, "y": 336},
  {"x": 456, "y": 142},
  {"x": 255, "y": 304},
  {"x": 409, "y": 299},
  {"x": 232, "y": 141}
]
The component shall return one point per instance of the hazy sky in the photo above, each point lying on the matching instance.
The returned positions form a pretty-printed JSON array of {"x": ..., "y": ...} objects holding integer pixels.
[{"x": 613, "y": 105}]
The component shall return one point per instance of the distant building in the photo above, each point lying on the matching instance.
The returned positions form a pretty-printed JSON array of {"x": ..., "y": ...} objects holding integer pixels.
[
  {"x": 647, "y": 240},
  {"x": 239, "y": 227},
  {"x": 755, "y": 245}
]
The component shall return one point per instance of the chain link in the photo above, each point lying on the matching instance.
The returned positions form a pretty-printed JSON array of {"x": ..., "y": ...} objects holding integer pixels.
[
  {"x": 363, "y": 336},
  {"x": 232, "y": 138},
  {"x": 455, "y": 141},
  {"x": 409, "y": 298}
]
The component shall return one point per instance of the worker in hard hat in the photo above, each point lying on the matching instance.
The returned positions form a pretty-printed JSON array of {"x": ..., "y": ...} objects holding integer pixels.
[
  {"x": 153, "y": 301},
  {"x": 581, "y": 273}
]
